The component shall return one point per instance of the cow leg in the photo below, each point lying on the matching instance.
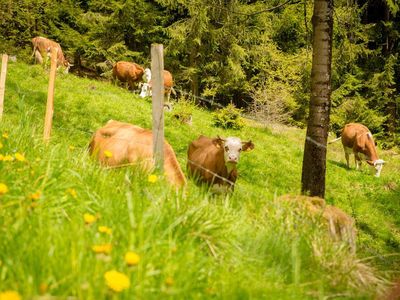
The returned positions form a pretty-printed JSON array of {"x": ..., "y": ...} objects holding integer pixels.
[
  {"x": 347, "y": 152},
  {"x": 358, "y": 161},
  {"x": 38, "y": 57}
]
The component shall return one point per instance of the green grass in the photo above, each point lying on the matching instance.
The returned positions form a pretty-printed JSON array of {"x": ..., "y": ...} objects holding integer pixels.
[{"x": 245, "y": 246}]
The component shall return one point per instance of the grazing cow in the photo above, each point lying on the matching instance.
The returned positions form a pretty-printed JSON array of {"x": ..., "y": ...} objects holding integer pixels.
[
  {"x": 213, "y": 160},
  {"x": 357, "y": 139},
  {"x": 117, "y": 143},
  {"x": 129, "y": 72},
  {"x": 42, "y": 50},
  {"x": 168, "y": 84}
]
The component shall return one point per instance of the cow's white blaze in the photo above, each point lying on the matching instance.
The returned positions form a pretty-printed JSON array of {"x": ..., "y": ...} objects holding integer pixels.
[
  {"x": 378, "y": 165},
  {"x": 232, "y": 149}
]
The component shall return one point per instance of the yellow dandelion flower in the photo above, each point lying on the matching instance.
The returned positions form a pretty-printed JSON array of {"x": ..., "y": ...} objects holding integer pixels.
[
  {"x": 103, "y": 248},
  {"x": 169, "y": 281},
  {"x": 71, "y": 147},
  {"x": 10, "y": 295},
  {"x": 108, "y": 154},
  {"x": 89, "y": 219},
  {"x": 8, "y": 158},
  {"x": 3, "y": 188},
  {"x": 117, "y": 281},
  {"x": 1, "y": 157},
  {"x": 19, "y": 156},
  {"x": 132, "y": 258},
  {"x": 5, "y": 135},
  {"x": 105, "y": 229},
  {"x": 152, "y": 178},
  {"x": 35, "y": 196},
  {"x": 72, "y": 192},
  {"x": 43, "y": 288}
]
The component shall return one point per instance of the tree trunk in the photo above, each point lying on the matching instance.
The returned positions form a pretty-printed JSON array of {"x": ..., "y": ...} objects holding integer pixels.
[{"x": 314, "y": 159}]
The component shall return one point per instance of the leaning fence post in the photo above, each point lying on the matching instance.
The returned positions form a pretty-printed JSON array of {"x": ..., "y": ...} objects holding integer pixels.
[
  {"x": 50, "y": 96},
  {"x": 3, "y": 82},
  {"x": 157, "y": 78}
]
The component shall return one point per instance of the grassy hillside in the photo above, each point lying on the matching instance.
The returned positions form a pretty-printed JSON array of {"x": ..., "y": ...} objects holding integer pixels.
[{"x": 191, "y": 245}]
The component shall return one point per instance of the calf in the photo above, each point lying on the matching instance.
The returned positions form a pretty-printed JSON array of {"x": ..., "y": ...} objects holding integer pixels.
[
  {"x": 42, "y": 49},
  {"x": 117, "y": 143},
  {"x": 357, "y": 139},
  {"x": 213, "y": 160},
  {"x": 168, "y": 84},
  {"x": 128, "y": 72}
]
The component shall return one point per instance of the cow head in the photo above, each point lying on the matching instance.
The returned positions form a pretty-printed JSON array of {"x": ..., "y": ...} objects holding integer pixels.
[
  {"x": 147, "y": 75},
  {"x": 232, "y": 147},
  {"x": 378, "y": 165}
]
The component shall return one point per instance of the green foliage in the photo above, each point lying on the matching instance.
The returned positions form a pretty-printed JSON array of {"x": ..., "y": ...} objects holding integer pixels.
[
  {"x": 183, "y": 110},
  {"x": 228, "y": 117}
]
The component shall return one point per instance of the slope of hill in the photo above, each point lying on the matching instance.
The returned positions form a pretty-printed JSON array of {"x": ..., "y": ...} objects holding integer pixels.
[{"x": 190, "y": 244}]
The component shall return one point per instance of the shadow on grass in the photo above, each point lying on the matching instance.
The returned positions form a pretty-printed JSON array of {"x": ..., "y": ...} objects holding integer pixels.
[{"x": 338, "y": 163}]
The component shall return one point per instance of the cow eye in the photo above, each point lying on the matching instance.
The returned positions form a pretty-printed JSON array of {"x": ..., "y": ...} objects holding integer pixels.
[
  {"x": 226, "y": 148},
  {"x": 240, "y": 149}
]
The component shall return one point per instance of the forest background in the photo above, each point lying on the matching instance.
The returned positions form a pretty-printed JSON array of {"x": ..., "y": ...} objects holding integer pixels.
[{"x": 255, "y": 54}]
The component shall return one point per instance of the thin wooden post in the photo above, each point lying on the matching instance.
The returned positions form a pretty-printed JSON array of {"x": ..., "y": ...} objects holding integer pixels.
[
  {"x": 50, "y": 96},
  {"x": 3, "y": 82},
  {"x": 157, "y": 78}
]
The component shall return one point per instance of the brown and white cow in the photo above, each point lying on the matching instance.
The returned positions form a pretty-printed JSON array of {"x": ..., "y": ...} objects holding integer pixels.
[
  {"x": 128, "y": 72},
  {"x": 357, "y": 139},
  {"x": 213, "y": 161},
  {"x": 168, "y": 84},
  {"x": 42, "y": 49},
  {"x": 118, "y": 143}
]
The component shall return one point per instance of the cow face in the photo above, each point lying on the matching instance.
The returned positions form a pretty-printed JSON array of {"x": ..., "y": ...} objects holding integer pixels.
[
  {"x": 232, "y": 147},
  {"x": 147, "y": 75},
  {"x": 378, "y": 165}
]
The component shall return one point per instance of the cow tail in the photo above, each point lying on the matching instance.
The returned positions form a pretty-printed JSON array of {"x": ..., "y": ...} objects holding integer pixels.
[{"x": 335, "y": 140}]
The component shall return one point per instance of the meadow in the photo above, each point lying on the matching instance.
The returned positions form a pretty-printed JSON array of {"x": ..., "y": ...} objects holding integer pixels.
[{"x": 66, "y": 222}]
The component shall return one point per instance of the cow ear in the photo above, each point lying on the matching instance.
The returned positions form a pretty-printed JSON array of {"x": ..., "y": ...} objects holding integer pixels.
[
  {"x": 218, "y": 141},
  {"x": 247, "y": 146}
]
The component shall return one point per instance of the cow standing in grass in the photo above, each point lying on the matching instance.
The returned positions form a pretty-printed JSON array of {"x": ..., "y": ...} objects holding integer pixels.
[
  {"x": 42, "y": 50},
  {"x": 118, "y": 143},
  {"x": 168, "y": 84},
  {"x": 357, "y": 139},
  {"x": 128, "y": 72},
  {"x": 213, "y": 161}
]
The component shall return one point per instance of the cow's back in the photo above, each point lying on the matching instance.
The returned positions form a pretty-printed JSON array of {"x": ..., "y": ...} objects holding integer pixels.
[
  {"x": 127, "y": 71},
  {"x": 118, "y": 143},
  {"x": 168, "y": 81},
  {"x": 351, "y": 132}
]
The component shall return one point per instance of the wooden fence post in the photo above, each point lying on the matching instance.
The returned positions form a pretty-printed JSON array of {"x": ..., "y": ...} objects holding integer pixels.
[
  {"x": 3, "y": 82},
  {"x": 50, "y": 96},
  {"x": 157, "y": 78}
]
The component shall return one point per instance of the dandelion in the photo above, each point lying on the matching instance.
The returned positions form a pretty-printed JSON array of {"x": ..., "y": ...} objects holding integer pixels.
[
  {"x": 10, "y": 295},
  {"x": 72, "y": 192},
  {"x": 3, "y": 188},
  {"x": 117, "y": 281},
  {"x": 89, "y": 219},
  {"x": 102, "y": 249},
  {"x": 152, "y": 178},
  {"x": 132, "y": 258},
  {"x": 105, "y": 229},
  {"x": 1, "y": 157},
  {"x": 169, "y": 281},
  {"x": 8, "y": 158},
  {"x": 108, "y": 154},
  {"x": 35, "y": 196},
  {"x": 71, "y": 147},
  {"x": 19, "y": 156},
  {"x": 5, "y": 135}
]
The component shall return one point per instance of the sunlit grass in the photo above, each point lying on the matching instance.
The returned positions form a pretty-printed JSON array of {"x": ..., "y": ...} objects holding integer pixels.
[{"x": 183, "y": 244}]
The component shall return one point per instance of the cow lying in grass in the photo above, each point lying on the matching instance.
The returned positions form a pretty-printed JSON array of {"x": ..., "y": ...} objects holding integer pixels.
[
  {"x": 213, "y": 160},
  {"x": 117, "y": 143}
]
